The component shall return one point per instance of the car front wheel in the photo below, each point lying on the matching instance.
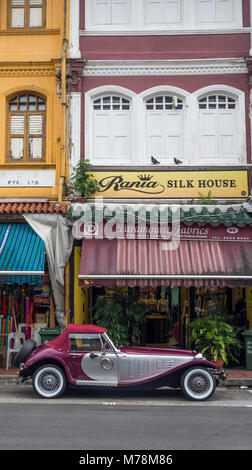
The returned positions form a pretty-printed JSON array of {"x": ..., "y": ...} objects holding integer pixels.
[
  {"x": 198, "y": 384},
  {"x": 49, "y": 381}
]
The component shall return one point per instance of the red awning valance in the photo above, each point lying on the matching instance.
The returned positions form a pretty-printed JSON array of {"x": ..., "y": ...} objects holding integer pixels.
[{"x": 124, "y": 262}]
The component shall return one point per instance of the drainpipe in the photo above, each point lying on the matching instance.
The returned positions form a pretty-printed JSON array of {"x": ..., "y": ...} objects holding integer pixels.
[{"x": 63, "y": 156}]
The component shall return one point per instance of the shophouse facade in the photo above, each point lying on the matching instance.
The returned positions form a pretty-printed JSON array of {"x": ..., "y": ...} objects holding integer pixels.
[
  {"x": 33, "y": 163},
  {"x": 160, "y": 105}
]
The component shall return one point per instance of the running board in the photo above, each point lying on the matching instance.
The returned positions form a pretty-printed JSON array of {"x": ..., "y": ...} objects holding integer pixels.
[{"x": 96, "y": 383}]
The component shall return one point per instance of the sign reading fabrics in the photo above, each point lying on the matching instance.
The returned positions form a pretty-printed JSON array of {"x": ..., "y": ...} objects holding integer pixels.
[{"x": 172, "y": 184}]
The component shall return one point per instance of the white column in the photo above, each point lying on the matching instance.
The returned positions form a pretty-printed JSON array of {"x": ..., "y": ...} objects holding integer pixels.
[
  {"x": 75, "y": 128},
  {"x": 74, "y": 51}
]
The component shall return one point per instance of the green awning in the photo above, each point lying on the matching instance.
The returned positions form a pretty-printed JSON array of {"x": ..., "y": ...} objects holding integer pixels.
[{"x": 22, "y": 255}]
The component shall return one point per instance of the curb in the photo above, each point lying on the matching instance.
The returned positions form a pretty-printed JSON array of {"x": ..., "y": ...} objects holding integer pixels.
[
  {"x": 232, "y": 382},
  {"x": 237, "y": 382}
]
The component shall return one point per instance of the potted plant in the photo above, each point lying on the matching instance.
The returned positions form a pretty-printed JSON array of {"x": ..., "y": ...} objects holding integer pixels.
[
  {"x": 215, "y": 339},
  {"x": 120, "y": 312},
  {"x": 82, "y": 183}
]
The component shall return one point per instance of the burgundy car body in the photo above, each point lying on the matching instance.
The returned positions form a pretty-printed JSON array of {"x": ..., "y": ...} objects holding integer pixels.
[{"x": 108, "y": 366}]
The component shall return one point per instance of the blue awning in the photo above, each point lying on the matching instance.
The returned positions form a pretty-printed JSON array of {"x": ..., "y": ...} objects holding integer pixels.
[{"x": 22, "y": 255}]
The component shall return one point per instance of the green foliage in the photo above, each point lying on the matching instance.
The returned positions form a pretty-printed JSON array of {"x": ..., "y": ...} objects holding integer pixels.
[
  {"x": 205, "y": 200},
  {"x": 214, "y": 338},
  {"x": 83, "y": 180},
  {"x": 122, "y": 315}
]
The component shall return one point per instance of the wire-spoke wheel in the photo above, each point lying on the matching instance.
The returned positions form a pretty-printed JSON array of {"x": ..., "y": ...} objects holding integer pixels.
[
  {"x": 198, "y": 384},
  {"x": 49, "y": 381}
]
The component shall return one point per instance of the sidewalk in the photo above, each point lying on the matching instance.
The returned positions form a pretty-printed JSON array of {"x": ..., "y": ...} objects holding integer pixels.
[{"x": 235, "y": 377}]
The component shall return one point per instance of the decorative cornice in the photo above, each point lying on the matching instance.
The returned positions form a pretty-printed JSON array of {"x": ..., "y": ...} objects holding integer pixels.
[
  {"x": 165, "y": 67},
  {"x": 24, "y": 69},
  {"x": 30, "y": 32}
]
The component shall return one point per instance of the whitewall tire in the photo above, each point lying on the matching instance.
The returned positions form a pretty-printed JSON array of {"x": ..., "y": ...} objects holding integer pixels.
[
  {"x": 198, "y": 384},
  {"x": 49, "y": 381}
]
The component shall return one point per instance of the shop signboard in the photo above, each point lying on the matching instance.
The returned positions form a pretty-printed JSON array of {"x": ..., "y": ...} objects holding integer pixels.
[
  {"x": 130, "y": 184},
  {"x": 27, "y": 178},
  {"x": 161, "y": 231}
]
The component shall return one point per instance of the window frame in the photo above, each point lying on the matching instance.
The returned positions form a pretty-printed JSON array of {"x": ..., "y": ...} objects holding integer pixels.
[
  {"x": 26, "y": 7},
  {"x": 240, "y": 138},
  {"x": 26, "y": 136},
  {"x": 168, "y": 108},
  {"x": 88, "y": 112}
]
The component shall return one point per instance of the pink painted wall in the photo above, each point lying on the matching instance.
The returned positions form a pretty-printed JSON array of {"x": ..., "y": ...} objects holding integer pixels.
[
  {"x": 164, "y": 47},
  {"x": 167, "y": 48}
]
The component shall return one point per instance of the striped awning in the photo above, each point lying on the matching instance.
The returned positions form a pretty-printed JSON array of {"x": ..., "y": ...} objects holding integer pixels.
[
  {"x": 127, "y": 262},
  {"x": 22, "y": 255}
]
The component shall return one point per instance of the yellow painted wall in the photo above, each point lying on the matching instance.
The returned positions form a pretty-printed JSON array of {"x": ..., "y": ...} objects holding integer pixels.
[
  {"x": 81, "y": 314},
  {"x": 28, "y": 62}
]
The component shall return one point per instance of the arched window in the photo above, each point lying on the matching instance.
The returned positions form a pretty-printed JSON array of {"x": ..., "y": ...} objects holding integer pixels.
[
  {"x": 218, "y": 126},
  {"x": 26, "y": 124},
  {"x": 111, "y": 129},
  {"x": 165, "y": 127}
]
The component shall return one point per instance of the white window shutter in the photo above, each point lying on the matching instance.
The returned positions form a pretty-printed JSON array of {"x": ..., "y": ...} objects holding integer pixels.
[
  {"x": 120, "y": 12},
  {"x": 227, "y": 131},
  {"x": 102, "y": 12},
  {"x": 17, "y": 124},
  {"x": 155, "y": 134},
  {"x": 119, "y": 125},
  {"x": 225, "y": 11},
  {"x": 206, "y": 11},
  {"x": 35, "y": 124},
  {"x": 35, "y": 129},
  {"x": 174, "y": 134},
  {"x": 154, "y": 11},
  {"x": 101, "y": 135},
  {"x": 35, "y": 17},
  {"x": 163, "y": 11},
  {"x": 17, "y": 20},
  {"x": 172, "y": 11},
  {"x": 208, "y": 134}
]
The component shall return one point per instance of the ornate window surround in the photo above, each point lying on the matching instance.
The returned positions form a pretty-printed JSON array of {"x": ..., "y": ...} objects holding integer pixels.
[
  {"x": 241, "y": 119},
  {"x": 161, "y": 90},
  {"x": 95, "y": 93}
]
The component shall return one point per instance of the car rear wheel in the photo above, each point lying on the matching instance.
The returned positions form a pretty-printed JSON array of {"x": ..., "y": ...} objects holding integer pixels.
[
  {"x": 198, "y": 384},
  {"x": 49, "y": 381}
]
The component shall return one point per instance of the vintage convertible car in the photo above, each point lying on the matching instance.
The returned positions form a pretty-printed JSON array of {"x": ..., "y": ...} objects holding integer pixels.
[{"x": 84, "y": 355}]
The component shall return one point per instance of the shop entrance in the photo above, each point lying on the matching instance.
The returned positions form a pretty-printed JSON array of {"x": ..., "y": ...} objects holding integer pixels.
[{"x": 163, "y": 314}]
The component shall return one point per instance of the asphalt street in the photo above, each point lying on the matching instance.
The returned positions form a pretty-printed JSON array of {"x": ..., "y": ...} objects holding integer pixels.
[{"x": 160, "y": 420}]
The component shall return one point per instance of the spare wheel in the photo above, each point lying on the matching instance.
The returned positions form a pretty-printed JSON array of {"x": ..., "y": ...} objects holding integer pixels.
[{"x": 24, "y": 352}]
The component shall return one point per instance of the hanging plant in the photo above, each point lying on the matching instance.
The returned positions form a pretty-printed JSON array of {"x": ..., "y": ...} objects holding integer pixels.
[{"x": 83, "y": 182}]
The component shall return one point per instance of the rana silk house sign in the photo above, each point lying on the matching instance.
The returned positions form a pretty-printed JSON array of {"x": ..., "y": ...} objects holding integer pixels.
[{"x": 169, "y": 184}]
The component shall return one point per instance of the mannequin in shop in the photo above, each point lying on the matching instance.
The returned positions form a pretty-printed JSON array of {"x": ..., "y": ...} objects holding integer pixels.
[
  {"x": 152, "y": 303},
  {"x": 163, "y": 306}
]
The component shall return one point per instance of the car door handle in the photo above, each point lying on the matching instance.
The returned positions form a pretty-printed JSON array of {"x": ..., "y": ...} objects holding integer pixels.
[{"x": 93, "y": 355}]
